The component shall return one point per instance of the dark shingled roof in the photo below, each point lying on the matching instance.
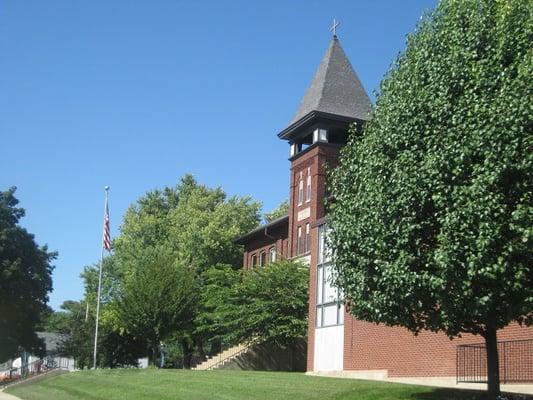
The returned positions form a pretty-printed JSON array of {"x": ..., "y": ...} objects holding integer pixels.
[
  {"x": 53, "y": 341},
  {"x": 335, "y": 89},
  {"x": 261, "y": 229}
]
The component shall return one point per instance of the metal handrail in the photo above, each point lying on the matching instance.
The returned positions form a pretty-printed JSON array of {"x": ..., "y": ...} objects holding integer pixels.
[
  {"x": 34, "y": 368},
  {"x": 221, "y": 359}
]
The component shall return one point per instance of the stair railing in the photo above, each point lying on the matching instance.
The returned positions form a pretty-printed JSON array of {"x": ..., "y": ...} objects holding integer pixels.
[
  {"x": 221, "y": 359},
  {"x": 34, "y": 368}
]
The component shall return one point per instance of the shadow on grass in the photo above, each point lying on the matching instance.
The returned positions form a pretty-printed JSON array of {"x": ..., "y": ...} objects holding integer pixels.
[{"x": 454, "y": 394}]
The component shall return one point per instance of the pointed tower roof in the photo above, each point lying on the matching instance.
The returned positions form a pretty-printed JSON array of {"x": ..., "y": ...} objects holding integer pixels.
[{"x": 335, "y": 89}]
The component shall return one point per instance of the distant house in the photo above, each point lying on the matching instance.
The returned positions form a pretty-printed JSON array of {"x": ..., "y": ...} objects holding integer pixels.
[
  {"x": 31, "y": 363},
  {"x": 53, "y": 342}
]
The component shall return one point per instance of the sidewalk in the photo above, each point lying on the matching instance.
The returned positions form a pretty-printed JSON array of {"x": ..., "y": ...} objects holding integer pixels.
[
  {"x": 5, "y": 396},
  {"x": 443, "y": 382}
]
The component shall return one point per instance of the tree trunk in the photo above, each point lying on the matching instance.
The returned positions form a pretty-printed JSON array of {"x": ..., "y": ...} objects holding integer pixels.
[
  {"x": 187, "y": 354},
  {"x": 216, "y": 347},
  {"x": 154, "y": 349},
  {"x": 493, "y": 365},
  {"x": 200, "y": 348}
]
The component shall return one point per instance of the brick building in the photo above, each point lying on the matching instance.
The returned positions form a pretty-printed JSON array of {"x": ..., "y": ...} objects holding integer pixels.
[{"x": 336, "y": 341}]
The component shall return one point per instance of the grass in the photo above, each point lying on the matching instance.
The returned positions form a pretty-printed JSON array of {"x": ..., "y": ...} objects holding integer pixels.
[{"x": 134, "y": 384}]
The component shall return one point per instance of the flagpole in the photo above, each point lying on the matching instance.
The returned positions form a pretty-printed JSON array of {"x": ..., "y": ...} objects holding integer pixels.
[{"x": 99, "y": 284}]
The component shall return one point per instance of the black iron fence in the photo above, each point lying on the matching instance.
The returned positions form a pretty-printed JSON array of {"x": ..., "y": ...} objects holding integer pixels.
[{"x": 515, "y": 356}]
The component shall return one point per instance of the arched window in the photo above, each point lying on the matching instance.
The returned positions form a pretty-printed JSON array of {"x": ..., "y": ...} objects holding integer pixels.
[
  {"x": 254, "y": 260},
  {"x": 272, "y": 254}
]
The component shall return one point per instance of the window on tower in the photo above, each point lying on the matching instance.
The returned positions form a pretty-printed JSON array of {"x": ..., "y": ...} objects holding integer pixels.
[
  {"x": 307, "y": 238},
  {"x": 329, "y": 306},
  {"x": 308, "y": 187},
  {"x": 299, "y": 244},
  {"x": 300, "y": 192}
]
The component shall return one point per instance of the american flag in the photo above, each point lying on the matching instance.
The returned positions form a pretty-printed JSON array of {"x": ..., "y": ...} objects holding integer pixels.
[{"x": 107, "y": 232}]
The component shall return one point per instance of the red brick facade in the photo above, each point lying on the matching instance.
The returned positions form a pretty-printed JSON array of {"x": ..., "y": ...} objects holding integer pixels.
[
  {"x": 315, "y": 138},
  {"x": 262, "y": 240},
  {"x": 366, "y": 346},
  {"x": 376, "y": 347},
  {"x": 312, "y": 162},
  {"x": 316, "y": 158},
  {"x": 369, "y": 346}
]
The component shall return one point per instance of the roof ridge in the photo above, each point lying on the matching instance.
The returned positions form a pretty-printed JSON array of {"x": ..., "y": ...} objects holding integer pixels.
[
  {"x": 335, "y": 88},
  {"x": 329, "y": 54}
]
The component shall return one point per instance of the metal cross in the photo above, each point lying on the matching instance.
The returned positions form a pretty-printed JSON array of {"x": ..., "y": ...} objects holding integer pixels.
[{"x": 334, "y": 27}]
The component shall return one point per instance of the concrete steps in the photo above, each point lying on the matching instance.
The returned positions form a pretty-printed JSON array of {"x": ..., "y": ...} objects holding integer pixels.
[{"x": 223, "y": 357}]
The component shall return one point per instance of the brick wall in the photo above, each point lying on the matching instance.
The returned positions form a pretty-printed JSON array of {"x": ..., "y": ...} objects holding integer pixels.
[
  {"x": 315, "y": 158},
  {"x": 366, "y": 346},
  {"x": 260, "y": 242},
  {"x": 369, "y": 347}
]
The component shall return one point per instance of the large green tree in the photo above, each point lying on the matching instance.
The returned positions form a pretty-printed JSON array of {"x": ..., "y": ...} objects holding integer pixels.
[
  {"x": 198, "y": 223},
  {"x": 265, "y": 304},
  {"x": 192, "y": 227},
  {"x": 76, "y": 321},
  {"x": 157, "y": 299},
  {"x": 432, "y": 220},
  {"x": 272, "y": 303},
  {"x": 25, "y": 280},
  {"x": 217, "y": 298}
]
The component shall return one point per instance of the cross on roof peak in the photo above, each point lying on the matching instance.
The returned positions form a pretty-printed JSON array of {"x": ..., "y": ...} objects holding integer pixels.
[{"x": 334, "y": 27}]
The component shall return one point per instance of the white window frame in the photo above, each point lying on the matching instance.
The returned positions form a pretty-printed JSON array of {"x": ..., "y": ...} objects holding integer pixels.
[
  {"x": 308, "y": 187},
  {"x": 272, "y": 254},
  {"x": 299, "y": 244},
  {"x": 307, "y": 238},
  {"x": 300, "y": 192},
  {"x": 262, "y": 259},
  {"x": 324, "y": 265},
  {"x": 253, "y": 260}
]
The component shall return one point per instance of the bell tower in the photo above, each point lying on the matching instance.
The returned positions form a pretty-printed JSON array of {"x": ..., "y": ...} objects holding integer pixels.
[{"x": 334, "y": 100}]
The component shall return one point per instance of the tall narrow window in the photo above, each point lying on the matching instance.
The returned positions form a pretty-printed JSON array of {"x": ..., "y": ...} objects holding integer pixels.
[
  {"x": 299, "y": 249},
  {"x": 262, "y": 259},
  {"x": 272, "y": 254},
  {"x": 308, "y": 188},
  {"x": 329, "y": 306},
  {"x": 307, "y": 238},
  {"x": 300, "y": 192},
  {"x": 254, "y": 260}
]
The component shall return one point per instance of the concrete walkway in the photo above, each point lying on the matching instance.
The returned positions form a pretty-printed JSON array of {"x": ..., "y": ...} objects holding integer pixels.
[
  {"x": 443, "y": 382},
  {"x": 450, "y": 383},
  {"x": 5, "y": 396}
]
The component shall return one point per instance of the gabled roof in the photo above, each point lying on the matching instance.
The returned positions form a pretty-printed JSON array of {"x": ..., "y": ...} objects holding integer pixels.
[
  {"x": 262, "y": 229},
  {"x": 335, "y": 89}
]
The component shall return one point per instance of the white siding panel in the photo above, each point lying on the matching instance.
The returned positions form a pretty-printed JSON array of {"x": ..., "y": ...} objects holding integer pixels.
[{"x": 329, "y": 347}]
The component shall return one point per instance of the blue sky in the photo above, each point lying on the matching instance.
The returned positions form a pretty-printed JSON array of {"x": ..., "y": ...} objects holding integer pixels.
[{"x": 136, "y": 94}]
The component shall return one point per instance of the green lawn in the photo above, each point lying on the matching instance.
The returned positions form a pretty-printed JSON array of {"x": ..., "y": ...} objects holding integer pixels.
[{"x": 133, "y": 384}]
